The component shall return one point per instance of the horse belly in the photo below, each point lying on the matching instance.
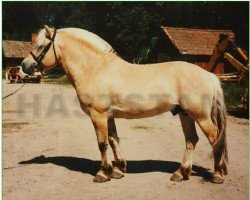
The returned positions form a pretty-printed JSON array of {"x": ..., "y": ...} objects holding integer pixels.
[{"x": 142, "y": 109}]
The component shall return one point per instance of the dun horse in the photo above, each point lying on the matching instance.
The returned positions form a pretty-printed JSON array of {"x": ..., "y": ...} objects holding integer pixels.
[{"x": 109, "y": 87}]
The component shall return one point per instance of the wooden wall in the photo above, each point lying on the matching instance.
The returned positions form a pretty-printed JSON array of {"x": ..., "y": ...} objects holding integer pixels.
[
  {"x": 218, "y": 70},
  {"x": 164, "y": 51},
  {"x": 201, "y": 61}
]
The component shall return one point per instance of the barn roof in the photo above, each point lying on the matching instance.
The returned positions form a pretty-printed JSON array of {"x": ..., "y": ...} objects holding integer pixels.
[
  {"x": 16, "y": 49},
  {"x": 195, "y": 41}
]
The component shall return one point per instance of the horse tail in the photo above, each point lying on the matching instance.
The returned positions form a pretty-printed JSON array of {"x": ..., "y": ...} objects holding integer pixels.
[{"x": 218, "y": 116}]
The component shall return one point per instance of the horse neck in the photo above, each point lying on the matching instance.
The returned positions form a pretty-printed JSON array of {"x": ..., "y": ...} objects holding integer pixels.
[{"x": 80, "y": 61}]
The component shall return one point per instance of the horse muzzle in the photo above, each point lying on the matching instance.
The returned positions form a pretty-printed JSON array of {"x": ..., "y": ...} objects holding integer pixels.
[{"x": 29, "y": 67}]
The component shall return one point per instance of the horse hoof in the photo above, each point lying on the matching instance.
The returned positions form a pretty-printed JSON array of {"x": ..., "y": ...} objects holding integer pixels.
[
  {"x": 121, "y": 165},
  {"x": 176, "y": 178},
  {"x": 100, "y": 179},
  {"x": 217, "y": 180},
  {"x": 117, "y": 174}
]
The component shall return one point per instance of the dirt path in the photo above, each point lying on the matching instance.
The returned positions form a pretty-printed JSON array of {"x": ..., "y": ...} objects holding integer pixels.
[{"x": 50, "y": 152}]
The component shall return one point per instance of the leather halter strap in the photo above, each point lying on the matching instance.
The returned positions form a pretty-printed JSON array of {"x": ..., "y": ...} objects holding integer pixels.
[{"x": 41, "y": 56}]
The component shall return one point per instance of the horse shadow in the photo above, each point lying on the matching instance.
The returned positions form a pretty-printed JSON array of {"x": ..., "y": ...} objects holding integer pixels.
[{"x": 88, "y": 166}]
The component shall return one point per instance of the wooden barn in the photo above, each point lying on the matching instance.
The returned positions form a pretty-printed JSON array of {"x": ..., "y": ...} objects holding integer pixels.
[
  {"x": 15, "y": 51},
  {"x": 192, "y": 45}
]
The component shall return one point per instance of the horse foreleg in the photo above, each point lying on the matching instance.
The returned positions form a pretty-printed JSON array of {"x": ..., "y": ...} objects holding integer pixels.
[
  {"x": 191, "y": 138},
  {"x": 100, "y": 123},
  {"x": 119, "y": 165}
]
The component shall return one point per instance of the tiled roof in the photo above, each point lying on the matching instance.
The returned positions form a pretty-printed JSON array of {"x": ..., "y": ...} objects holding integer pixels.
[
  {"x": 16, "y": 49},
  {"x": 195, "y": 41}
]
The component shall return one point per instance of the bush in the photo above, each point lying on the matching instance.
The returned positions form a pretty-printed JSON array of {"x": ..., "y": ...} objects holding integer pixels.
[{"x": 233, "y": 93}]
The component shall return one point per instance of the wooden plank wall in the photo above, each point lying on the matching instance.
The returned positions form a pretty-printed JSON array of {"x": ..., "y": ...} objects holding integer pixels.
[{"x": 218, "y": 70}]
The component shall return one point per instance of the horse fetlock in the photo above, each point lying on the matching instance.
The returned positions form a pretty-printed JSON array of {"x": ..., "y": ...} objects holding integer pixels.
[
  {"x": 104, "y": 173},
  {"x": 182, "y": 173},
  {"x": 107, "y": 169},
  {"x": 217, "y": 179},
  {"x": 177, "y": 176},
  {"x": 223, "y": 168},
  {"x": 186, "y": 171},
  {"x": 121, "y": 164}
]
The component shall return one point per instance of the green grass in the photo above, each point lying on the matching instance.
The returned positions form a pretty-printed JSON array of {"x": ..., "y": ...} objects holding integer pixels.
[
  {"x": 233, "y": 93},
  {"x": 61, "y": 80}
]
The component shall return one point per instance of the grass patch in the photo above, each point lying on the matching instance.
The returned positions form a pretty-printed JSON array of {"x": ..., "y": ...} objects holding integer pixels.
[
  {"x": 233, "y": 93},
  {"x": 16, "y": 125},
  {"x": 62, "y": 80}
]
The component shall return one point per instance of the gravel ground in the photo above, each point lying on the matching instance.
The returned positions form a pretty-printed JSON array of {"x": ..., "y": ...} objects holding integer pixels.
[{"x": 50, "y": 152}]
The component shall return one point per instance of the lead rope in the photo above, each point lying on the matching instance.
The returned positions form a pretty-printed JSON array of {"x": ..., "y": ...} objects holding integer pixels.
[{"x": 18, "y": 88}]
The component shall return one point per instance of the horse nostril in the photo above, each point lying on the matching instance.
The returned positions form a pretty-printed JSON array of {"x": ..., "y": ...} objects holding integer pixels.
[
  {"x": 26, "y": 69},
  {"x": 23, "y": 67}
]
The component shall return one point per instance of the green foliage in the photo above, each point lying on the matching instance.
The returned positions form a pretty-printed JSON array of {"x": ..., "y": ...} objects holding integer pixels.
[
  {"x": 62, "y": 80},
  {"x": 127, "y": 26},
  {"x": 233, "y": 93},
  {"x": 19, "y": 20},
  {"x": 55, "y": 72}
]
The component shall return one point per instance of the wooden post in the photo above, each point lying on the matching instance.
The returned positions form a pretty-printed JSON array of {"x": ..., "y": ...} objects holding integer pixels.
[
  {"x": 242, "y": 54},
  {"x": 236, "y": 64},
  {"x": 218, "y": 52}
]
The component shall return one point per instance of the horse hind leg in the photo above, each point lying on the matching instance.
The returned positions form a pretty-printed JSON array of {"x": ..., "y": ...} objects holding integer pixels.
[
  {"x": 191, "y": 138},
  {"x": 211, "y": 132},
  {"x": 119, "y": 164}
]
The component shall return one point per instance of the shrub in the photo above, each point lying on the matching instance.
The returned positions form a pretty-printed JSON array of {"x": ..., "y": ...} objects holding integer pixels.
[{"x": 233, "y": 93}]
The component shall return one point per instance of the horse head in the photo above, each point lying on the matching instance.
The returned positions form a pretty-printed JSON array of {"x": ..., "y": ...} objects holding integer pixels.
[{"x": 44, "y": 55}]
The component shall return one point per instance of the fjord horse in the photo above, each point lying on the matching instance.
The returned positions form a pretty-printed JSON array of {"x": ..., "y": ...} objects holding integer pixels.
[{"x": 109, "y": 87}]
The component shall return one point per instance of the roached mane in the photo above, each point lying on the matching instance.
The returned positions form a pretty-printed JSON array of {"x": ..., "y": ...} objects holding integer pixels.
[
  {"x": 84, "y": 35},
  {"x": 41, "y": 37}
]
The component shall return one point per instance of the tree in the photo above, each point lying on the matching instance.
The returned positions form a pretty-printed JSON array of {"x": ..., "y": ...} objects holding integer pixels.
[{"x": 127, "y": 26}]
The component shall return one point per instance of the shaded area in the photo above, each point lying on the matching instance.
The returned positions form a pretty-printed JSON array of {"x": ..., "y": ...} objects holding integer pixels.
[
  {"x": 240, "y": 113},
  {"x": 134, "y": 166}
]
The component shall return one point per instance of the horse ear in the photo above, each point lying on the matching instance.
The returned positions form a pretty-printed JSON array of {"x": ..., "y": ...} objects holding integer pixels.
[{"x": 48, "y": 31}]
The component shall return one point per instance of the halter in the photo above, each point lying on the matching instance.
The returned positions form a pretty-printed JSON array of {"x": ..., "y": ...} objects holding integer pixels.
[
  {"x": 39, "y": 59},
  {"x": 41, "y": 56}
]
